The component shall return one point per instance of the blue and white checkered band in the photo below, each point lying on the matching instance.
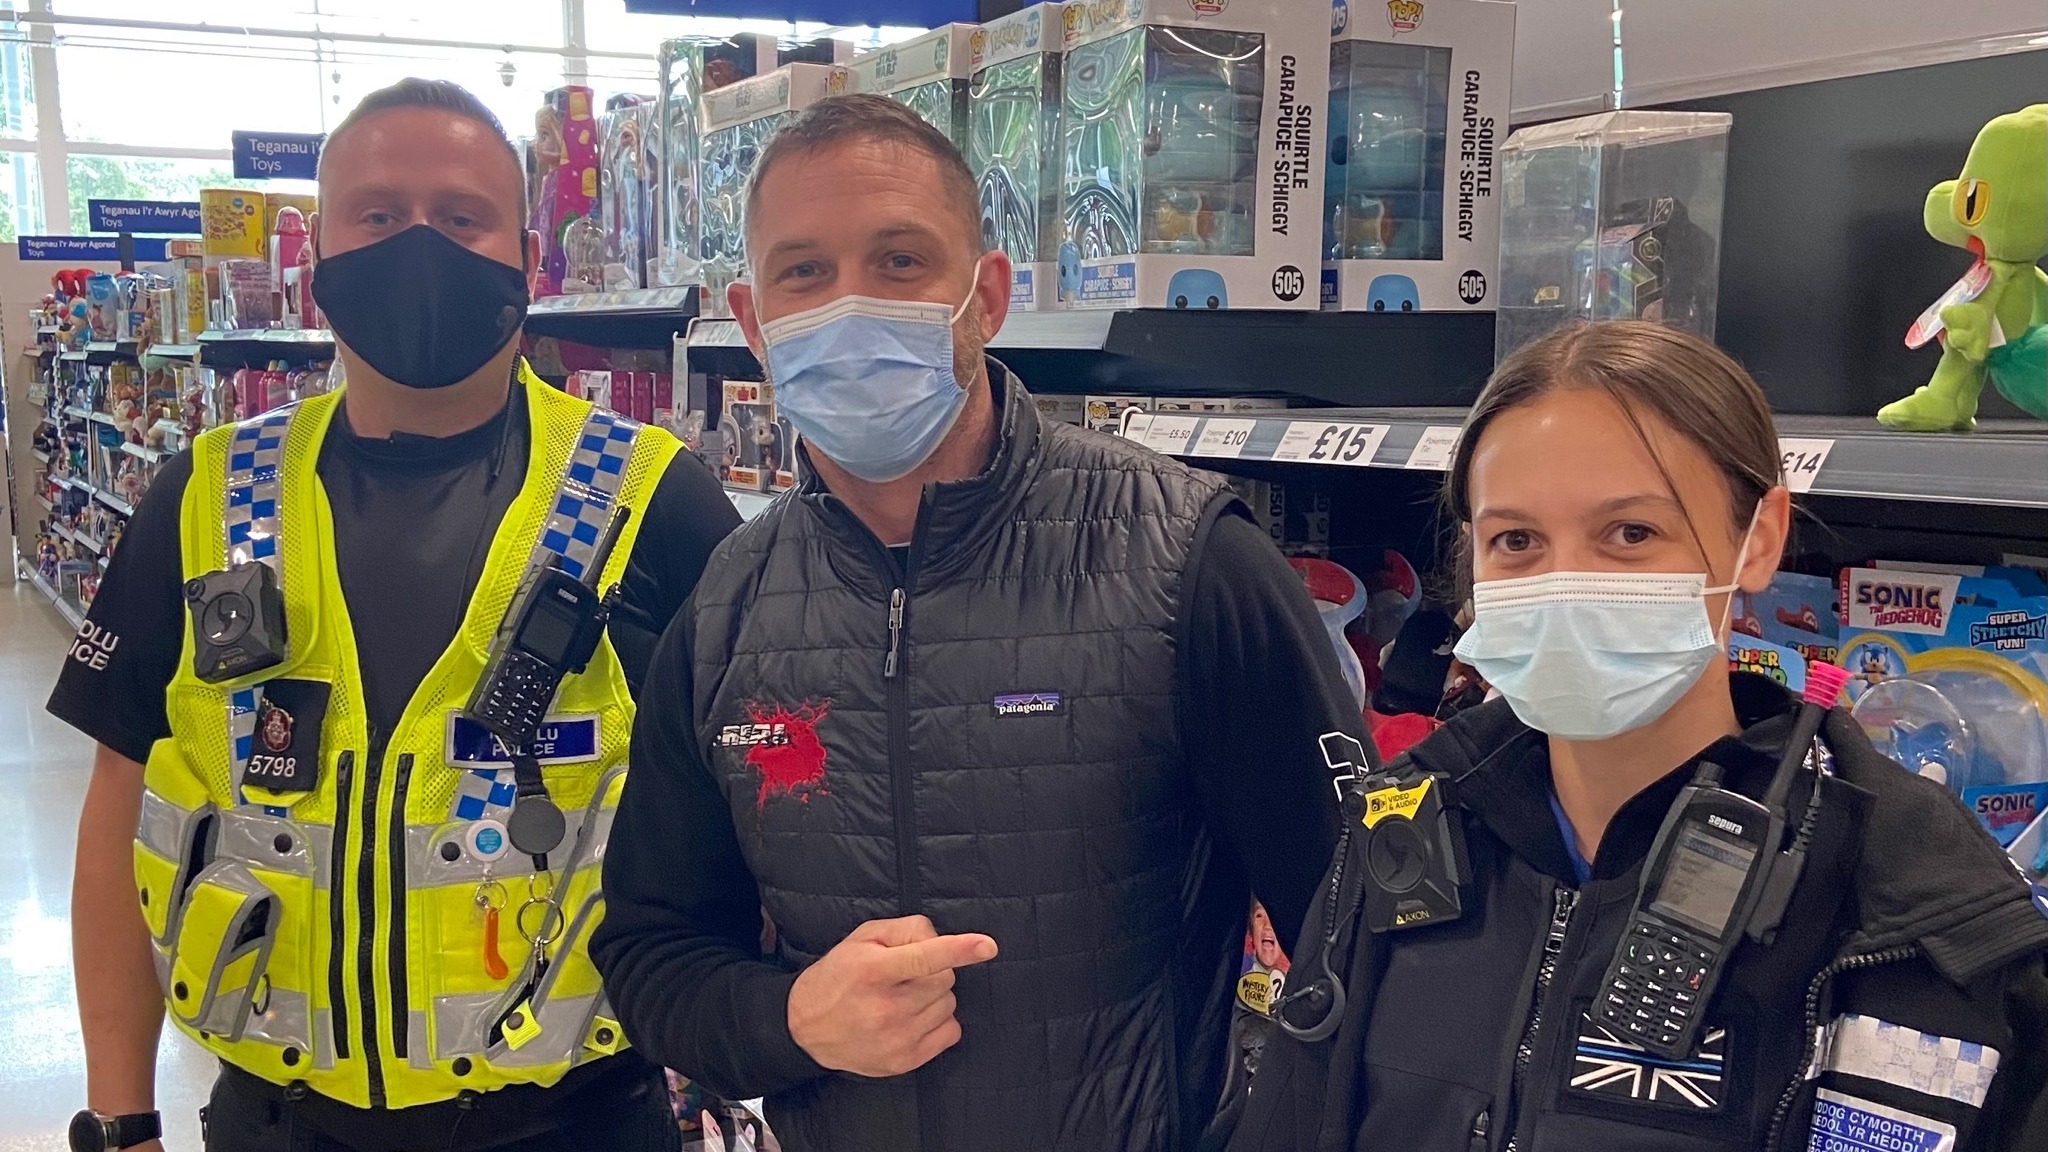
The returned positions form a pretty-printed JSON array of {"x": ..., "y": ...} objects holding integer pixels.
[
  {"x": 581, "y": 507},
  {"x": 255, "y": 456},
  {"x": 583, "y": 501}
]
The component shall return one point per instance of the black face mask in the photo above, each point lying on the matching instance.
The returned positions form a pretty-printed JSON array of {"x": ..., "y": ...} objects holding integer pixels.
[{"x": 420, "y": 308}]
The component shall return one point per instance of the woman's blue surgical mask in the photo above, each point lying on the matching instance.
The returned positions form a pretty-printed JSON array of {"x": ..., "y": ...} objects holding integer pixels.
[
  {"x": 869, "y": 382},
  {"x": 1591, "y": 655}
]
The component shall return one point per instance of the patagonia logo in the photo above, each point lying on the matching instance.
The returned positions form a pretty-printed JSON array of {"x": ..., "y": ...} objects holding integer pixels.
[{"x": 1028, "y": 704}]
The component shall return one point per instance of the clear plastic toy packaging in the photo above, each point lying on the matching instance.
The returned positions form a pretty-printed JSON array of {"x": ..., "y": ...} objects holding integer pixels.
[
  {"x": 1611, "y": 217},
  {"x": 629, "y": 158},
  {"x": 739, "y": 119},
  {"x": 1013, "y": 146},
  {"x": 928, "y": 74},
  {"x": 1418, "y": 109},
  {"x": 1950, "y": 678},
  {"x": 1191, "y": 139}
]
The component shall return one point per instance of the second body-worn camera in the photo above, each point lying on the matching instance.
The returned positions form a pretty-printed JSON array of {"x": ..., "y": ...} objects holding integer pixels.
[{"x": 238, "y": 622}]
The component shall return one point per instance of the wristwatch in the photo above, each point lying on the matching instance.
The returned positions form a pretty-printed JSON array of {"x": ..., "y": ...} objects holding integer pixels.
[{"x": 92, "y": 1132}]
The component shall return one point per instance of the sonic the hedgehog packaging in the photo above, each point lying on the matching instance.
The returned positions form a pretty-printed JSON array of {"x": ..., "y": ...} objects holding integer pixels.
[{"x": 1949, "y": 676}]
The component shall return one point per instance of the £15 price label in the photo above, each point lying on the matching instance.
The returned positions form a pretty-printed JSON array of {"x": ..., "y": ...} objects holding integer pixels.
[
  {"x": 1331, "y": 442},
  {"x": 1225, "y": 438},
  {"x": 1171, "y": 434},
  {"x": 1803, "y": 460}
]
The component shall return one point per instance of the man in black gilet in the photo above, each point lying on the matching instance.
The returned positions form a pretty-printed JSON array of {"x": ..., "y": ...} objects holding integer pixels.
[{"x": 1001, "y": 722}]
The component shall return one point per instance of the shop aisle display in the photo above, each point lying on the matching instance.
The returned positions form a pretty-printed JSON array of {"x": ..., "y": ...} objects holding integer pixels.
[{"x": 1135, "y": 163}]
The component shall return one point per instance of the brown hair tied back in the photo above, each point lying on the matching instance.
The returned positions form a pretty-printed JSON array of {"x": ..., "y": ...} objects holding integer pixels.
[{"x": 1687, "y": 383}]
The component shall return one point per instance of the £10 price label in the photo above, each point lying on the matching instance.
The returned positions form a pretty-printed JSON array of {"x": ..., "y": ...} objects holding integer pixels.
[
  {"x": 1803, "y": 460},
  {"x": 1330, "y": 442},
  {"x": 1225, "y": 438}
]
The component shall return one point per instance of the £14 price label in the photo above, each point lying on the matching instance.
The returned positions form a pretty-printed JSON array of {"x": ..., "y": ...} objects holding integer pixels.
[
  {"x": 1225, "y": 438},
  {"x": 1803, "y": 460},
  {"x": 1332, "y": 442}
]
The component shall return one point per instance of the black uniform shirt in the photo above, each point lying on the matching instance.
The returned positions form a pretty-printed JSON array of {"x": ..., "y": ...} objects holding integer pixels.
[{"x": 413, "y": 521}]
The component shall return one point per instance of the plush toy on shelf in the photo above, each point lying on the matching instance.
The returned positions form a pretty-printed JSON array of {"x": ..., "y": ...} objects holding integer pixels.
[{"x": 1994, "y": 321}]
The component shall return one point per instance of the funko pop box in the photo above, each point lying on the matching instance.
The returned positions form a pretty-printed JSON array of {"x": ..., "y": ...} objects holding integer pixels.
[
  {"x": 927, "y": 74},
  {"x": 1013, "y": 147},
  {"x": 1191, "y": 136},
  {"x": 739, "y": 119},
  {"x": 1418, "y": 109}
]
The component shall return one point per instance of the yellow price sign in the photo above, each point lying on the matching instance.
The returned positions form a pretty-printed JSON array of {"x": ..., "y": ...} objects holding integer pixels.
[{"x": 1401, "y": 802}]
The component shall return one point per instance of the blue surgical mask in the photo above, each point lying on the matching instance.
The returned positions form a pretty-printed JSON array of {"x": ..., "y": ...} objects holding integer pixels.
[
  {"x": 1590, "y": 655},
  {"x": 868, "y": 382}
]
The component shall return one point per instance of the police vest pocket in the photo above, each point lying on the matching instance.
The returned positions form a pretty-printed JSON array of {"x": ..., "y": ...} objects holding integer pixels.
[
  {"x": 228, "y": 930},
  {"x": 171, "y": 845}
]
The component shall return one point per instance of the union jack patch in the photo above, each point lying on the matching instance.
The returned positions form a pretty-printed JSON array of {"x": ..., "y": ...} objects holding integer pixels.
[{"x": 1608, "y": 1066}]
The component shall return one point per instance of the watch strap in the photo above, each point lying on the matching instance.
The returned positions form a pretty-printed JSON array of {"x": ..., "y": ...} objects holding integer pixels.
[{"x": 135, "y": 1128}]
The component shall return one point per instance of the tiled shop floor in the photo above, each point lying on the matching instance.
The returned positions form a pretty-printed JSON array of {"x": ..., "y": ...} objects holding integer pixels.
[{"x": 43, "y": 770}]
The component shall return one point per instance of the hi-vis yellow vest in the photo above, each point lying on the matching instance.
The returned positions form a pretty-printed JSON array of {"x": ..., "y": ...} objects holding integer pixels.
[{"x": 335, "y": 936}]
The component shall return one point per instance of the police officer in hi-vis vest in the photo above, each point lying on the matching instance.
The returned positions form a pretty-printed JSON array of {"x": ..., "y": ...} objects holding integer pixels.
[{"x": 364, "y": 885}]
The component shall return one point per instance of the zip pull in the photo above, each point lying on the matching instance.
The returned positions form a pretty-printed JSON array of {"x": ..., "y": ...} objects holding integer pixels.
[
  {"x": 895, "y": 633},
  {"x": 1560, "y": 920},
  {"x": 1478, "y": 1141}
]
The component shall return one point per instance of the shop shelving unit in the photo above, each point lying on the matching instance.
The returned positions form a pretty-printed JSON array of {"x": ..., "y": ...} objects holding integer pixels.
[{"x": 60, "y": 489}]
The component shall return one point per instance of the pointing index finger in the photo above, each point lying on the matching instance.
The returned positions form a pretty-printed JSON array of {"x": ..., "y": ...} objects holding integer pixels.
[{"x": 930, "y": 957}]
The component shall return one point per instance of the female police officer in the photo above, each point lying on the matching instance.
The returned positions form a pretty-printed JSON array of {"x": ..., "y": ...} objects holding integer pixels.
[{"x": 1844, "y": 961}]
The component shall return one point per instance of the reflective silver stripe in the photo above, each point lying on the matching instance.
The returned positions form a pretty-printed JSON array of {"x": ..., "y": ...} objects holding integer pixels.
[
  {"x": 416, "y": 1042},
  {"x": 562, "y": 1023},
  {"x": 261, "y": 840},
  {"x": 284, "y": 1021},
  {"x": 323, "y": 1039},
  {"x": 461, "y": 1022},
  {"x": 162, "y": 826},
  {"x": 427, "y": 867}
]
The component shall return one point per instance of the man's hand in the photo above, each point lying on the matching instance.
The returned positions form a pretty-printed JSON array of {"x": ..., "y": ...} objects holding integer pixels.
[{"x": 881, "y": 1002}]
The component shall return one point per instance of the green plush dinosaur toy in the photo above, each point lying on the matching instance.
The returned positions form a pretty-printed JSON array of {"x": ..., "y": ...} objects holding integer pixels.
[{"x": 1994, "y": 322}]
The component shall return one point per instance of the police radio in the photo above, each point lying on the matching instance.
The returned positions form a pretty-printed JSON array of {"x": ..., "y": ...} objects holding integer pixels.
[
  {"x": 238, "y": 622},
  {"x": 549, "y": 632},
  {"x": 1715, "y": 873}
]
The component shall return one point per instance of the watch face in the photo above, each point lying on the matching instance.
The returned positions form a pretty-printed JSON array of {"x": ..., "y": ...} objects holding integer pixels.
[{"x": 88, "y": 1133}]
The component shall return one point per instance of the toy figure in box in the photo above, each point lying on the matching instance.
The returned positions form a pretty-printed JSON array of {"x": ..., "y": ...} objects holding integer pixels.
[
  {"x": 1994, "y": 321},
  {"x": 566, "y": 132}
]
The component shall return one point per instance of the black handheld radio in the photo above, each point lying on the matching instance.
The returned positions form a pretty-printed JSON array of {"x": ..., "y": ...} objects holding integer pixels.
[
  {"x": 549, "y": 632},
  {"x": 1715, "y": 873}
]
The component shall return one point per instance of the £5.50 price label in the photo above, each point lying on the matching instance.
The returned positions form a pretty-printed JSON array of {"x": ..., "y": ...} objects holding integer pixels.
[
  {"x": 1136, "y": 422},
  {"x": 1332, "y": 442},
  {"x": 1803, "y": 460},
  {"x": 1171, "y": 434},
  {"x": 1225, "y": 438}
]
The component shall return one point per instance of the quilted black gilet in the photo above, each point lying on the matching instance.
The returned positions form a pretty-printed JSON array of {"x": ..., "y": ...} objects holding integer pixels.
[{"x": 1017, "y": 771}]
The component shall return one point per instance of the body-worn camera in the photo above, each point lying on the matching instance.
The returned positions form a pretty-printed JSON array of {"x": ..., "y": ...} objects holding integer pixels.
[
  {"x": 238, "y": 622},
  {"x": 1415, "y": 861}
]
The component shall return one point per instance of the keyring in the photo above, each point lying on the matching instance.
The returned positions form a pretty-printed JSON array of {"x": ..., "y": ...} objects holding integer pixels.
[
  {"x": 491, "y": 894},
  {"x": 537, "y": 939}
]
